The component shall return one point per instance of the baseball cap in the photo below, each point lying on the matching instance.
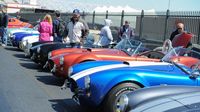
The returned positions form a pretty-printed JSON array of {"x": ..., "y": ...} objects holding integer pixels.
[{"x": 76, "y": 11}]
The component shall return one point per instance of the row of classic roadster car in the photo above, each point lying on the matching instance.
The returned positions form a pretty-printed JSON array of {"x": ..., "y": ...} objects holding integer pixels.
[
  {"x": 101, "y": 77},
  {"x": 105, "y": 82}
]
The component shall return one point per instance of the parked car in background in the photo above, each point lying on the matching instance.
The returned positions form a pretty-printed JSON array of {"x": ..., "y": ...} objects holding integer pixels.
[
  {"x": 103, "y": 85},
  {"x": 27, "y": 41},
  {"x": 16, "y": 23},
  {"x": 18, "y": 36},
  {"x": 125, "y": 50},
  {"x": 161, "y": 99},
  {"x": 41, "y": 56}
]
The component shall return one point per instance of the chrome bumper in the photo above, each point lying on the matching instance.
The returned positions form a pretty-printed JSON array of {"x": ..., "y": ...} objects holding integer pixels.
[
  {"x": 76, "y": 99},
  {"x": 46, "y": 65},
  {"x": 33, "y": 56},
  {"x": 53, "y": 69}
]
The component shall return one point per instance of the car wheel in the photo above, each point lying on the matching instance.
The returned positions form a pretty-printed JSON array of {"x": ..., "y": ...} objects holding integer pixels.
[{"x": 111, "y": 102}]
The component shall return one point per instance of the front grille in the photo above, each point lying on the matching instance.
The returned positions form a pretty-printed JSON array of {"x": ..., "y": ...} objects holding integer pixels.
[
  {"x": 51, "y": 64},
  {"x": 73, "y": 85}
]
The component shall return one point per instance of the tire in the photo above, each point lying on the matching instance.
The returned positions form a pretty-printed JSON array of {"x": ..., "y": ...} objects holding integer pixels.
[{"x": 110, "y": 102}]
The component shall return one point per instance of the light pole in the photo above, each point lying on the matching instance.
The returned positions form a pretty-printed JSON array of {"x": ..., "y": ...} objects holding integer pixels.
[{"x": 169, "y": 4}]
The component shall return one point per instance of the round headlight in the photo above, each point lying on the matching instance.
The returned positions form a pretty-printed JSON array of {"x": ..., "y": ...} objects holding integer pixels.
[
  {"x": 70, "y": 71},
  {"x": 49, "y": 55},
  {"x": 61, "y": 60},
  {"x": 9, "y": 35},
  {"x": 38, "y": 50},
  {"x": 123, "y": 102}
]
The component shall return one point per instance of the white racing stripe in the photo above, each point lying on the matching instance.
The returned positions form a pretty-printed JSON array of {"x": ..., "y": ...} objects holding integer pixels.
[
  {"x": 145, "y": 63},
  {"x": 107, "y": 67}
]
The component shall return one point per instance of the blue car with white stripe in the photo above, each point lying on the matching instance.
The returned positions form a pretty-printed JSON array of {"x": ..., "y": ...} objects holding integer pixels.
[
  {"x": 18, "y": 36},
  {"x": 103, "y": 84}
]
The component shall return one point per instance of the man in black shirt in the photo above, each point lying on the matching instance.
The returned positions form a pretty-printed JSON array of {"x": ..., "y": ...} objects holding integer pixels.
[
  {"x": 3, "y": 26},
  {"x": 58, "y": 28}
]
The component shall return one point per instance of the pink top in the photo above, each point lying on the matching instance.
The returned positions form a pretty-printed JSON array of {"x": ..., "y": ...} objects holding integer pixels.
[{"x": 45, "y": 30}]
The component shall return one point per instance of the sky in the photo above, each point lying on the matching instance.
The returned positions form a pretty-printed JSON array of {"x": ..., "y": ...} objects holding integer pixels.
[{"x": 157, "y": 5}]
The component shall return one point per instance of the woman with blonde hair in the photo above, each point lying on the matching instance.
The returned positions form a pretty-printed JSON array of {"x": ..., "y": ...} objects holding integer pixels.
[{"x": 45, "y": 29}]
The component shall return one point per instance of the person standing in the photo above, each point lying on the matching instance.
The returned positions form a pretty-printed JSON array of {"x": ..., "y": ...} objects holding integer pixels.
[
  {"x": 106, "y": 35},
  {"x": 3, "y": 26},
  {"x": 58, "y": 28},
  {"x": 45, "y": 29},
  {"x": 126, "y": 29},
  {"x": 77, "y": 29},
  {"x": 179, "y": 30}
]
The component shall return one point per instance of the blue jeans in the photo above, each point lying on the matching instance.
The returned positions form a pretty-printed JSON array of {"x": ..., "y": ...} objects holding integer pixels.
[
  {"x": 57, "y": 39},
  {"x": 3, "y": 34}
]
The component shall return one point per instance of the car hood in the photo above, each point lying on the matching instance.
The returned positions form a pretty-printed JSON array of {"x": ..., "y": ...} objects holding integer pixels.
[
  {"x": 154, "y": 97},
  {"x": 27, "y": 38},
  {"x": 35, "y": 47},
  {"x": 91, "y": 64}
]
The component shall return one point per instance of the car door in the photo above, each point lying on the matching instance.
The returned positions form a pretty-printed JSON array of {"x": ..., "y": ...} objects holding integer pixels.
[{"x": 168, "y": 75}]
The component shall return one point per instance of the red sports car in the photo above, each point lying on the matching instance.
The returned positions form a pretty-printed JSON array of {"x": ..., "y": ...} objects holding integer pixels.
[{"x": 125, "y": 50}]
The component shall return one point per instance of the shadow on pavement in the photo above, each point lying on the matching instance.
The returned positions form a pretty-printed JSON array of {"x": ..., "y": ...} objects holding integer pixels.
[
  {"x": 13, "y": 49},
  {"x": 30, "y": 65},
  {"x": 25, "y": 59},
  {"x": 51, "y": 80},
  {"x": 65, "y": 105},
  {"x": 19, "y": 56}
]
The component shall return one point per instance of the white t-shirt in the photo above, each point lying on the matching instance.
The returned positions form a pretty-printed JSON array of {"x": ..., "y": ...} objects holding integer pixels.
[{"x": 75, "y": 31}]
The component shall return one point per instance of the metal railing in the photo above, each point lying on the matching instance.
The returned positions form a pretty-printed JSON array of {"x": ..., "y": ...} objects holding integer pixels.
[{"x": 155, "y": 26}]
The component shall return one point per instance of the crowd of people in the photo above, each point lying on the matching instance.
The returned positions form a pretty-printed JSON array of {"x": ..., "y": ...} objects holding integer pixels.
[{"x": 77, "y": 29}]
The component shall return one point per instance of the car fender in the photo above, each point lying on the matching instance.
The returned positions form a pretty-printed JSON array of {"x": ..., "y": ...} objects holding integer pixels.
[
  {"x": 102, "y": 90},
  {"x": 85, "y": 57},
  {"x": 125, "y": 78}
]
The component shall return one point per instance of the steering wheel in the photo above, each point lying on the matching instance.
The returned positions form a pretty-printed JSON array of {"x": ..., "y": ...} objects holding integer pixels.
[{"x": 167, "y": 46}]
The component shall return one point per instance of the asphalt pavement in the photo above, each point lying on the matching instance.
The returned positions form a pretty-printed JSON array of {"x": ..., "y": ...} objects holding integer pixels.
[{"x": 24, "y": 87}]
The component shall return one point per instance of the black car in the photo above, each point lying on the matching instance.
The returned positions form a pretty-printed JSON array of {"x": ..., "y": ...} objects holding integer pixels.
[
  {"x": 161, "y": 99},
  {"x": 39, "y": 53},
  {"x": 33, "y": 47},
  {"x": 41, "y": 56},
  {"x": 35, "y": 51}
]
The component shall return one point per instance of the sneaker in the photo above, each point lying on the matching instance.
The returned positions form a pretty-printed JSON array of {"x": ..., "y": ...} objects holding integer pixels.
[{"x": 3, "y": 45}]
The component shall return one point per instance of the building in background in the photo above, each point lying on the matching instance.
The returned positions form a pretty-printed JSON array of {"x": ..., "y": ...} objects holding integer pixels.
[{"x": 14, "y": 6}]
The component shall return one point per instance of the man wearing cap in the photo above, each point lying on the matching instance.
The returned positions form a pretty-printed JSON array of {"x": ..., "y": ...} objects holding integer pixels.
[{"x": 77, "y": 29}]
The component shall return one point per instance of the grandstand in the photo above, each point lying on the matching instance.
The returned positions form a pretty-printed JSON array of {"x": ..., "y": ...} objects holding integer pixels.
[
  {"x": 61, "y": 5},
  {"x": 65, "y": 5}
]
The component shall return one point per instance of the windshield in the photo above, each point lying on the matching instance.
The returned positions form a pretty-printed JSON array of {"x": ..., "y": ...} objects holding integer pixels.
[
  {"x": 180, "y": 51},
  {"x": 88, "y": 41},
  {"x": 129, "y": 46},
  {"x": 186, "y": 59}
]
